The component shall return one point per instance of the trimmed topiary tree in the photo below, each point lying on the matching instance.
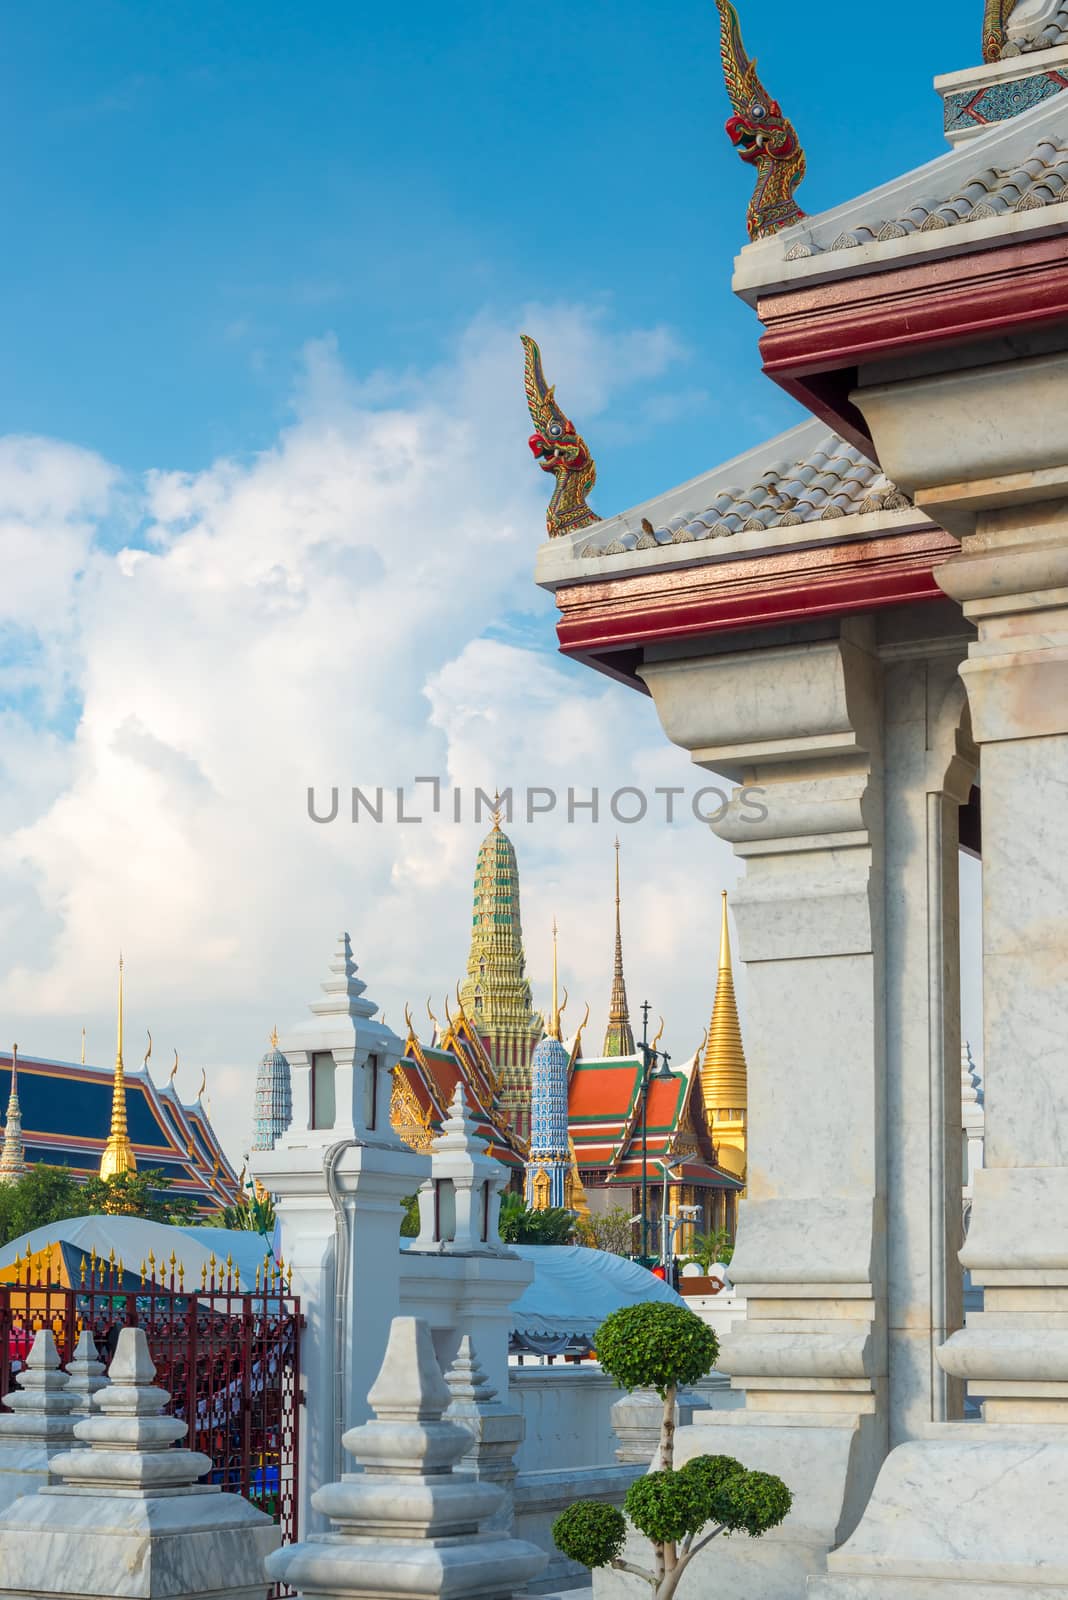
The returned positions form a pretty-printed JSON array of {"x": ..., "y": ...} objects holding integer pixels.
[{"x": 664, "y": 1347}]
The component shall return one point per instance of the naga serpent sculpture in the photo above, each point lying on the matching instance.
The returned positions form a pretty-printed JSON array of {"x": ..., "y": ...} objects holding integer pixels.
[
  {"x": 559, "y": 449},
  {"x": 760, "y": 133},
  {"x": 996, "y": 27}
]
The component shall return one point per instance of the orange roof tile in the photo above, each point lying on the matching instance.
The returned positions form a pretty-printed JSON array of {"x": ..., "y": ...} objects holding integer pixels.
[{"x": 602, "y": 1092}]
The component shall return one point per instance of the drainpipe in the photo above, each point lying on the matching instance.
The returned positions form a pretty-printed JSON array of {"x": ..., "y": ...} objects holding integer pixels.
[{"x": 342, "y": 1256}]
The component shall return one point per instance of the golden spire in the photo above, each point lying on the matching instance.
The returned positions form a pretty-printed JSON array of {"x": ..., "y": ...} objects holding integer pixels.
[
  {"x": 496, "y": 811},
  {"x": 618, "y": 1039},
  {"x": 723, "y": 1072},
  {"x": 274, "y": 1037},
  {"x": 553, "y": 1030},
  {"x": 83, "y": 1047},
  {"x": 118, "y": 1152}
]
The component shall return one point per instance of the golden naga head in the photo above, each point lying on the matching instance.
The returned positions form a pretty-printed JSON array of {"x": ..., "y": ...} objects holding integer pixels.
[
  {"x": 558, "y": 448},
  {"x": 762, "y": 136}
]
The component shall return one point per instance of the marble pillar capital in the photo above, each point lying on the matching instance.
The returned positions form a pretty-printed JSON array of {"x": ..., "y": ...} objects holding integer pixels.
[
  {"x": 1011, "y": 579},
  {"x": 972, "y": 438},
  {"x": 757, "y": 711}
]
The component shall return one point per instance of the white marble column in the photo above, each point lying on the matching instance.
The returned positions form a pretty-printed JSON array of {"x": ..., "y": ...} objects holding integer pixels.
[
  {"x": 804, "y": 724},
  {"x": 1012, "y": 578},
  {"x": 977, "y": 1509},
  {"x": 930, "y": 768}
]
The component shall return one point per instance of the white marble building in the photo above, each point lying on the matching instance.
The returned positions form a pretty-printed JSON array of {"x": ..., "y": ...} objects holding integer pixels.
[{"x": 863, "y": 620}]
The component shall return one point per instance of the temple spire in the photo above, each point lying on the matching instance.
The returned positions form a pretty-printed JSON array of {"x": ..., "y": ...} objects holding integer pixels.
[
  {"x": 118, "y": 1152},
  {"x": 618, "y": 1039},
  {"x": 548, "y": 1181},
  {"x": 724, "y": 1084},
  {"x": 13, "y": 1155},
  {"x": 495, "y": 994},
  {"x": 553, "y": 1030}
]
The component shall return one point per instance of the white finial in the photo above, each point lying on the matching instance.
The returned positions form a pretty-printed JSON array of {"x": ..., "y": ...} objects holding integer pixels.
[
  {"x": 409, "y": 1386},
  {"x": 466, "y": 1378}
]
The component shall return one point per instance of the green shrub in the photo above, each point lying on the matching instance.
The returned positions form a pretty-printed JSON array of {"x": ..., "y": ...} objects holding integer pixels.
[
  {"x": 520, "y": 1225},
  {"x": 752, "y": 1503},
  {"x": 656, "y": 1345},
  {"x": 590, "y": 1533},
  {"x": 666, "y": 1507},
  {"x": 707, "y": 1475},
  {"x": 660, "y": 1345}
]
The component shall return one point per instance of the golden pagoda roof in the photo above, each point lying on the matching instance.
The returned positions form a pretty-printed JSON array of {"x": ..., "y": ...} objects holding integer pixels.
[
  {"x": 723, "y": 1071},
  {"x": 119, "y": 1152}
]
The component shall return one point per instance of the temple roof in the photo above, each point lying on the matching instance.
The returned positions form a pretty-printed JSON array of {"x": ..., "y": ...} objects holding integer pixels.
[
  {"x": 1044, "y": 32},
  {"x": 1038, "y": 179},
  {"x": 808, "y": 483},
  {"x": 425, "y": 1080},
  {"x": 604, "y": 1122},
  {"x": 66, "y": 1114},
  {"x": 1008, "y": 182}
]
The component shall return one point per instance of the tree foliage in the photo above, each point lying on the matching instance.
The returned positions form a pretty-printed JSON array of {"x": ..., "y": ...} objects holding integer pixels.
[
  {"x": 611, "y": 1230},
  {"x": 410, "y": 1217},
  {"x": 143, "y": 1194},
  {"x": 520, "y": 1225},
  {"x": 656, "y": 1345},
  {"x": 661, "y": 1345},
  {"x": 47, "y": 1194},
  {"x": 708, "y": 1249},
  {"x": 249, "y": 1214}
]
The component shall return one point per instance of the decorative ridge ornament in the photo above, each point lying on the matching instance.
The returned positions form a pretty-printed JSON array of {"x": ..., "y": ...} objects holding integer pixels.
[
  {"x": 762, "y": 136},
  {"x": 558, "y": 448},
  {"x": 996, "y": 27}
]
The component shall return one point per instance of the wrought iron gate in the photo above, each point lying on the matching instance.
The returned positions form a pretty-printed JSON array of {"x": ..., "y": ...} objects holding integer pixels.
[{"x": 228, "y": 1356}]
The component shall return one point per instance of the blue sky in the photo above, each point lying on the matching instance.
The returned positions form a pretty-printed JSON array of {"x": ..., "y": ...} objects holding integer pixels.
[
  {"x": 192, "y": 191},
  {"x": 267, "y": 511}
]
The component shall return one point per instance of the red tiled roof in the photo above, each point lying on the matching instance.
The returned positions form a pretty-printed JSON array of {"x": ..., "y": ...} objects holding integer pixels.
[
  {"x": 695, "y": 1172},
  {"x": 433, "y": 1074},
  {"x": 665, "y": 1103},
  {"x": 601, "y": 1090},
  {"x": 606, "y": 1123}
]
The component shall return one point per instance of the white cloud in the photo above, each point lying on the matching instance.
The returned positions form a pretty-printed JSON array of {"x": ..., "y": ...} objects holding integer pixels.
[{"x": 315, "y": 615}]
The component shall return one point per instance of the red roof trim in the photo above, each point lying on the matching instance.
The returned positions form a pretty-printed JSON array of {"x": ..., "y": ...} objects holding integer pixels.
[{"x": 818, "y": 335}]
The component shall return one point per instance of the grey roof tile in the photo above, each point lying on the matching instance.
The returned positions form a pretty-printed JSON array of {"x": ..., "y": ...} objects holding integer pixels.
[
  {"x": 1039, "y": 180},
  {"x": 833, "y": 480},
  {"x": 1047, "y": 37}
]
